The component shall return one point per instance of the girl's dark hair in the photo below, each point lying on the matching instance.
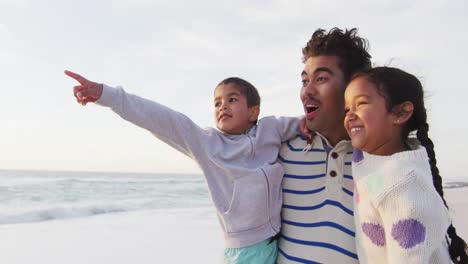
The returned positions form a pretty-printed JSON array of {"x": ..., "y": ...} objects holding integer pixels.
[
  {"x": 245, "y": 88},
  {"x": 350, "y": 49},
  {"x": 397, "y": 86}
]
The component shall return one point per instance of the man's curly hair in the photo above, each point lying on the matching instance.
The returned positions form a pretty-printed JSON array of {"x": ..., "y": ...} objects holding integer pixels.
[{"x": 346, "y": 45}]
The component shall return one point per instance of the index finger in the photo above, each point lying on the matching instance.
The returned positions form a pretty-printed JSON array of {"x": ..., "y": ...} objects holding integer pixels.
[{"x": 76, "y": 76}]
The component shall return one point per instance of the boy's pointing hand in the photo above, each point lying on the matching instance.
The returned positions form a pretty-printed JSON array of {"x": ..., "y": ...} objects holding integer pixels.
[{"x": 87, "y": 91}]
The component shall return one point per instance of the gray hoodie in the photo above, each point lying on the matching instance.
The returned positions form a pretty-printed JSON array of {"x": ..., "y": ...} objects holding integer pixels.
[{"x": 243, "y": 176}]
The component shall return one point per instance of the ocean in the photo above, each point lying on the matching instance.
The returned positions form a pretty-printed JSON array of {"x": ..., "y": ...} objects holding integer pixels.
[
  {"x": 36, "y": 196},
  {"x": 87, "y": 217}
]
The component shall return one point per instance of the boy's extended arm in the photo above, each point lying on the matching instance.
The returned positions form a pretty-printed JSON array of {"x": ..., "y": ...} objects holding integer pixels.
[{"x": 166, "y": 124}]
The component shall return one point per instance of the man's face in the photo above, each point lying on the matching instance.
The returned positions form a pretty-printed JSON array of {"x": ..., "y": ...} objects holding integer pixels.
[{"x": 322, "y": 96}]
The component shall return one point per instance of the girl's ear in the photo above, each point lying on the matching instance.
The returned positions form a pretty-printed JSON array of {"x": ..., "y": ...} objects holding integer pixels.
[
  {"x": 403, "y": 112},
  {"x": 254, "y": 111}
]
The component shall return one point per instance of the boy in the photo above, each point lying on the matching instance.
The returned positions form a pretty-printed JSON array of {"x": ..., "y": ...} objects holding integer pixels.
[{"x": 238, "y": 158}]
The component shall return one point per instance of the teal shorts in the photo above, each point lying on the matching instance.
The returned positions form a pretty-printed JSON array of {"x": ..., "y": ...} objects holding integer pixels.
[{"x": 264, "y": 252}]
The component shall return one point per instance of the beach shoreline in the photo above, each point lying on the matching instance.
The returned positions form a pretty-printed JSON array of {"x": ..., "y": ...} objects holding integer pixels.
[{"x": 147, "y": 236}]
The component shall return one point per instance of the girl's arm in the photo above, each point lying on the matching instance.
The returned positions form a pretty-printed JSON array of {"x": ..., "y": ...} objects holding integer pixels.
[{"x": 414, "y": 220}]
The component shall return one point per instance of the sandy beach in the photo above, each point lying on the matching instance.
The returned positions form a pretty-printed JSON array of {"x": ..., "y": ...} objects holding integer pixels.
[
  {"x": 156, "y": 236},
  {"x": 169, "y": 236}
]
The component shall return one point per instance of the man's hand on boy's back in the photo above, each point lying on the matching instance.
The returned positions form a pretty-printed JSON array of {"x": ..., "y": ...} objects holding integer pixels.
[
  {"x": 305, "y": 131},
  {"x": 87, "y": 91}
]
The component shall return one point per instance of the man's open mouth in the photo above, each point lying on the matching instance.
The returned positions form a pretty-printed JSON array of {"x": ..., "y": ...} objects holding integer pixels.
[{"x": 311, "y": 108}]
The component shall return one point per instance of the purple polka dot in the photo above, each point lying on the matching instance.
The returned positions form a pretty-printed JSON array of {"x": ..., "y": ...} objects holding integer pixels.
[
  {"x": 357, "y": 155},
  {"x": 408, "y": 233},
  {"x": 375, "y": 233}
]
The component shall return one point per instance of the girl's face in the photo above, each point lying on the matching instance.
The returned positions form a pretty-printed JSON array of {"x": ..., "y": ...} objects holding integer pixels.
[{"x": 371, "y": 127}]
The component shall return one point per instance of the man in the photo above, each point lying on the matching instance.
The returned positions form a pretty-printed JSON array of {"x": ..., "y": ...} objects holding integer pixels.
[{"x": 317, "y": 214}]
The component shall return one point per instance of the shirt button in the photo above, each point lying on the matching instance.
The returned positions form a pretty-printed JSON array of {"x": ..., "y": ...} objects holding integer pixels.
[
  {"x": 333, "y": 173},
  {"x": 334, "y": 155}
]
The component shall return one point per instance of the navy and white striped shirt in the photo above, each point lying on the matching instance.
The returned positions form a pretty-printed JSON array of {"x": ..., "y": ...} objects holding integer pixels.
[{"x": 317, "y": 214}]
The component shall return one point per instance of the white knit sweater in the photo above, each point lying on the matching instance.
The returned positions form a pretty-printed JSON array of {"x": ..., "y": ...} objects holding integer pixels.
[{"x": 399, "y": 216}]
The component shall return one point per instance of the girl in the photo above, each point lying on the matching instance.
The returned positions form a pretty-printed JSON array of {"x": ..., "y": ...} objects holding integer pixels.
[{"x": 400, "y": 213}]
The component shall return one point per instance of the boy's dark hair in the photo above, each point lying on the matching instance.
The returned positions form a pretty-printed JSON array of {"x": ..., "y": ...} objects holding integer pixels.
[
  {"x": 245, "y": 88},
  {"x": 398, "y": 86},
  {"x": 350, "y": 49}
]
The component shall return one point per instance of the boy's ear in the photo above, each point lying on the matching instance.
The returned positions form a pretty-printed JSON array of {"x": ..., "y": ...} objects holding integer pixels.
[
  {"x": 254, "y": 111},
  {"x": 403, "y": 112}
]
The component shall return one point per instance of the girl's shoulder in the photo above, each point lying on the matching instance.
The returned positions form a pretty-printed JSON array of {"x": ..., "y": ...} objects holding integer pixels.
[{"x": 382, "y": 175}]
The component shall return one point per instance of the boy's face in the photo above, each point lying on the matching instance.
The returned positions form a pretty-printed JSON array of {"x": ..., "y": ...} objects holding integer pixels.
[
  {"x": 232, "y": 115},
  {"x": 322, "y": 92}
]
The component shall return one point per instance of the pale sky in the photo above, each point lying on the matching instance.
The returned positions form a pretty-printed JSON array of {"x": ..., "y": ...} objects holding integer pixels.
[{"x": 175, "y": 52}]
